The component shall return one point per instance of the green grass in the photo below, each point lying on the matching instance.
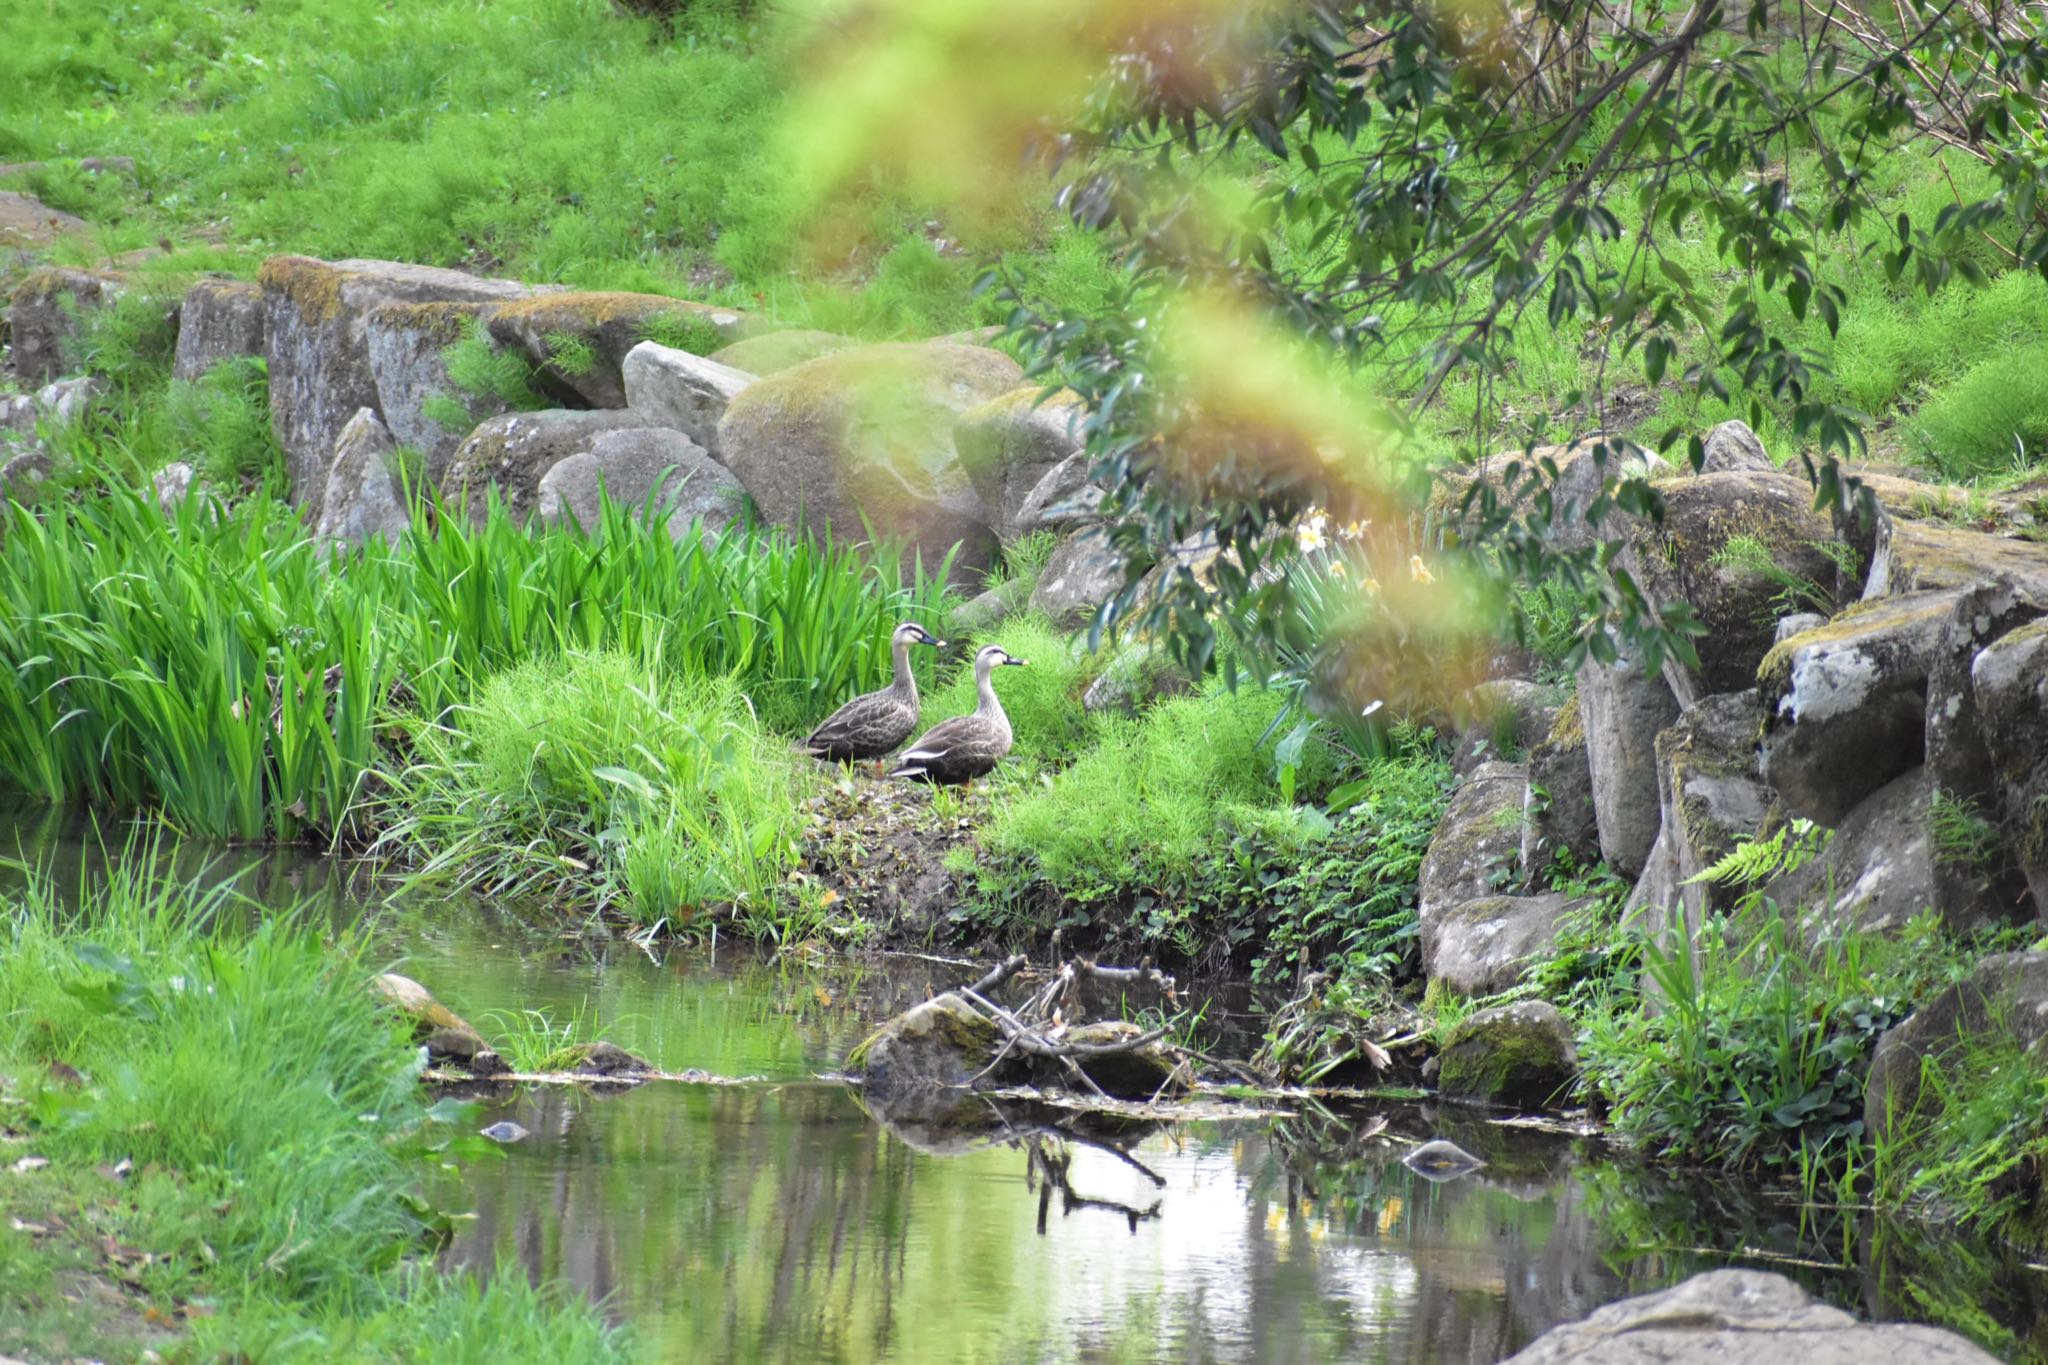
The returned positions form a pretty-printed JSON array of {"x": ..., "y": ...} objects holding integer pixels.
[
  {"x": 662, "y": 788},
  {"x": 554, "y": 140},
  {"x": 182, "y": 665},
  {"x": 1994, "y": 416},
  {"x": 274, "y": 1125}
]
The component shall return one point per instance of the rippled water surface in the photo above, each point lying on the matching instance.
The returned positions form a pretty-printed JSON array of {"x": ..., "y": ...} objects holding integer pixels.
[{"x": 774, "y": 1219}]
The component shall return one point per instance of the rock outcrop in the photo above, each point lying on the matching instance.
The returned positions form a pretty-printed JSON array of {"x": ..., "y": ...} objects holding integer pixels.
[
  {"x": 1482, "y": 946},
  {"x": 1083, "y": 573},
  {"x": 407, "y": 345},
  {"x": 2003, "y": 1002},
  {"x": 1477, "y": 842},
  {"x": 1742, "y": 549},
  {"x": 1709, "y": 799},
  {"x": 1558, "y": 814},
  {"x": 774, "y": 352},
  {"x": 316, "y": 339},
  {"x": 1622, "y": 709},
  {"x": 943, "y": 1042},
  {"x": 47, "y": 316},
  {"x": 1740, "y": 1317},
  {"x": 2010, "y": 680},
  {"x": 864, "y": 439},
  {"x": 1845, "y": 703}
]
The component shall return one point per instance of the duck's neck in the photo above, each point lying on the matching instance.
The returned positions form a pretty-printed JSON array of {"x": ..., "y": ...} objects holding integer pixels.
[
  {"x": 905, "y": 682},
  {"x": 988, "y": 707}
]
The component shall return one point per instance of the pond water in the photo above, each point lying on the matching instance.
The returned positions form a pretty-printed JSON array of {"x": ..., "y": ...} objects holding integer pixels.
[{"x": 776, "y": 1220}]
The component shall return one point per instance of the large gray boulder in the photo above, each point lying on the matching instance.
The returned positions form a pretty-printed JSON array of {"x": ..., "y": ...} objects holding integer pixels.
[
  {"x": 1558, "y": 815},
  {"x": 1135, "y": 678},
  {"x": 1732, "y": 448},
  {"x": 1482, "y": 946},
  {"x": 27, "y": 223},
  {"x": 1845, "y": 703},
  {"x": 688, "y": 486},
  {"x": 1477, "y": 842},
  {"x": 364, "y": 497},
  {"x": 687, "y": 393},
  {"x": 988, "y": 609},
  {"x": 1622, "y": 709},
  {"x": 864, "y": 439},
  {"x": 1083, "y": 573},
  {"x": 1740, "y": 1317},
  {"x": 1710, "y": 799},
  {"x": 407, "y": 345},
  {"x": 1693, "y": 557},
  {"x": 1009, "y": 444},
  {"x": 219, "y": 320},
  {"x": 511, "y": 452},
  {"x": 47, "y": 315},
  {"x": 1520, "y": 1055},
  {"x": 580, "y": 341},
  {"x": 316, "y": 340},
  {"x": 1877, "y": 871},
  {"x": 2010, "y": 679},
  {"x": 2004, "y": 999}
]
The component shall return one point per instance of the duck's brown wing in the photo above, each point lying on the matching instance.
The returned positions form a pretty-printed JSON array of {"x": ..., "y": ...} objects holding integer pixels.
[
  {"x": 953, "y": 751},
  {"x": 867, "y": 727}
]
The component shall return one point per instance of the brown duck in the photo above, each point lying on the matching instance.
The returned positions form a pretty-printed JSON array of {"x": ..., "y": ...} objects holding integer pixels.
[
  {"x": 963, "y": 748},
  {"x": 874, "y": 723}
]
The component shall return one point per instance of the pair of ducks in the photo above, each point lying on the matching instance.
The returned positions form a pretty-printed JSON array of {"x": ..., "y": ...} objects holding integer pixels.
[{"x": 951, "y": 752}]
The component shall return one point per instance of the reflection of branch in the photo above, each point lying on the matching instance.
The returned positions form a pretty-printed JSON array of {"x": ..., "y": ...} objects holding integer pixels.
[{"x": 1046, "y": 1160}]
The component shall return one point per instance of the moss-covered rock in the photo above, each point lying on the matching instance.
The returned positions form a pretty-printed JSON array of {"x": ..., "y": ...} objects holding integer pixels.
[
  {"x": 1710, "y": 797},
  {"x": 1558, "y": 813},
  {"x": 407, "y": 345},
  {"x": 774, "y": 352},
  {"x": 1482, "y": 946},
  {"x": 1478, "y": 839},
  {"x": 580, "y": 340},
  {"x": 1519, "y": 1055},
  {"x": 510, "y": 453},
  {"x": 864, "y": 439},
  {"x": 943, "y": 1042},
  {"x": 1845, "y": 703},
  {"x": 603, "y": 1059},
  {"x": 1010, "y": 443},
  {"x": 1922, "y": 556}
]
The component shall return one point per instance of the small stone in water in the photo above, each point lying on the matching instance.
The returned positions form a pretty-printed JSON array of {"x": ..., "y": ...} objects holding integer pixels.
[
  {"x": 1440, "y": 1160},
  {"x": 504, "y": 1131}
]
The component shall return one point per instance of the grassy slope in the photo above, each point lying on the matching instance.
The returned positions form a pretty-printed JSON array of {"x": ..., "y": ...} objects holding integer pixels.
[
  {"x": 268, "y": 1127},
  {"x": 550, "y": 139}
]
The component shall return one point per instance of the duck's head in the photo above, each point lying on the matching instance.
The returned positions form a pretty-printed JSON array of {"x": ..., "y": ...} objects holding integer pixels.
[
  {"x": 911, "y": 633},
  {"x": 993, "y": 656}
]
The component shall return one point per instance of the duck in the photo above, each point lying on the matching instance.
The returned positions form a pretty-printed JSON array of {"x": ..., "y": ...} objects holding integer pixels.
[
  {"x": 874, "y": 723},
  {"x": 959, "y": 750}
]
